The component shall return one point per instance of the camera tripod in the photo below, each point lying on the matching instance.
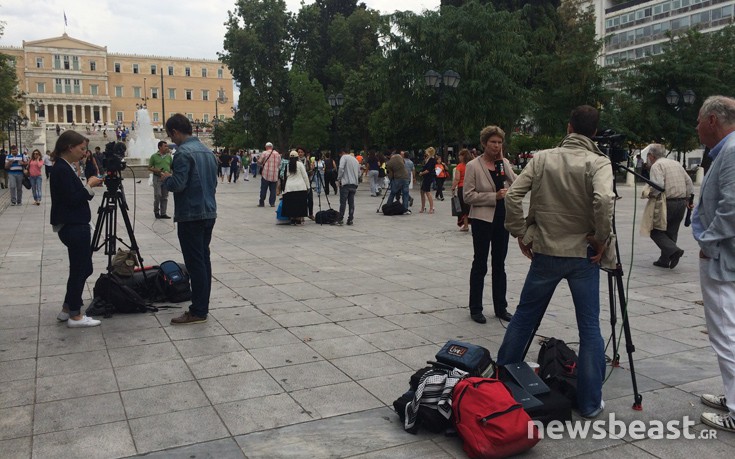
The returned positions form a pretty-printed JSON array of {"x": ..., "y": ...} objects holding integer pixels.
[
  {"x": 320, "y": 182},
  {"x": 113, "y": 200}
]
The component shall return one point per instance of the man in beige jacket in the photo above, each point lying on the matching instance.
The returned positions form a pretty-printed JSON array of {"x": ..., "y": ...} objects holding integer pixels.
[{"x": 566, "y": 233}]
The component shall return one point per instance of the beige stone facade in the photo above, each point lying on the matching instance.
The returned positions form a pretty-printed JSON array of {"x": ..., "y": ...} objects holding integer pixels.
[{"x": 68, "y": 81}]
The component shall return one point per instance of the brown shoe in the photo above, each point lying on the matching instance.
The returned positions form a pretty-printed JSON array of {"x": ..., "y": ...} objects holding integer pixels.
[{"x": 187, "y": 318}]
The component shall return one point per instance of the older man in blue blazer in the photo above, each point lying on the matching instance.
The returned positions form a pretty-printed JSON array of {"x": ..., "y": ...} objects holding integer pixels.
[{"x": 713, "y": 225}]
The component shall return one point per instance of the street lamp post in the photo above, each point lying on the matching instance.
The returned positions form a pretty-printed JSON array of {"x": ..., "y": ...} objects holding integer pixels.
[
  {"x": 335, "y": 101},
  {"x": 220, "y": 99},
  {"x": 246, "y": 119},
  {"x": 196, "y": 126},
  {"x": 16, "y": 122},
  {"x": 38, "y": 108},
  {"x": 448, "y": 79},
  {"x": 678, "y": 100},
  {"x": 145, "y": 94},
  {"x": 273, "y": 114}
]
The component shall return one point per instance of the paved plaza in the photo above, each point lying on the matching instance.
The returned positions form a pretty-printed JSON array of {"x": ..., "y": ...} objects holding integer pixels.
[{"x": 313, "y": 332}]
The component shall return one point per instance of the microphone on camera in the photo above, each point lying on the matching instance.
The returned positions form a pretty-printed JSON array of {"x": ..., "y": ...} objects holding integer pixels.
[{"x": 500, "y": 168}]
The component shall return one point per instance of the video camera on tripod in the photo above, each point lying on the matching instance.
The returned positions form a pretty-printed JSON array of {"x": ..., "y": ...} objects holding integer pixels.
[
  {"x": 612, "y": 145},
  {"x": 113, "y": 161}
]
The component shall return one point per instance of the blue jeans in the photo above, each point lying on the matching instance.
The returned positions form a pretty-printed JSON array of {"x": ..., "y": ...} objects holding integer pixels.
[
  {"x": 265, "y": 186},
  {"x": 194, "y": 237},
  {"x": 399, "y": 186},
  {"x": 78, "y": 241},
  {"x": 583, "y": 278},
  {"x": 36, "y": 187}
]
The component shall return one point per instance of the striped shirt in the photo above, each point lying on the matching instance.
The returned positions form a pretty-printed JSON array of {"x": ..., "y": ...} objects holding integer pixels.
[
  {"x": 670, "y": 175},
  {"x": 270, "y": 162}
]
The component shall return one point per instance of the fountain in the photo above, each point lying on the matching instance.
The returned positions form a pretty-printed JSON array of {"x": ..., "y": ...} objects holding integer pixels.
[{"x": 143, "y": 143}]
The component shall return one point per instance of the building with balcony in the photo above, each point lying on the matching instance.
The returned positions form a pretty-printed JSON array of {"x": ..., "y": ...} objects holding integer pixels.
[{"x": 67, "y": 81}]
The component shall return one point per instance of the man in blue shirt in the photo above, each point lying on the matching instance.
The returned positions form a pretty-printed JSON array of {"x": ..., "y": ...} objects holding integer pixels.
[
  {"x": 713, "y": 225},
  {"x": 14, "y": 164},
  {"x": 193, "y": 181}
]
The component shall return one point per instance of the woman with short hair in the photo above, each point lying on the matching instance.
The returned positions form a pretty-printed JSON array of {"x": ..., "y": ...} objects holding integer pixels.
[{"x": 428, "y": 175}]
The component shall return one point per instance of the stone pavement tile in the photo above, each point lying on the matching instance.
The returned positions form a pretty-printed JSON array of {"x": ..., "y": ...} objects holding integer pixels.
[
  {"x": 395, "y": 339},
  {"x": 711, "y": 385},
  {"x": 286, "y": 307},
  {"x": 268, "y": 412},
  {"x": 16, "y": 422},
  {"x": 347, "y": 313},
  {"x": 619, "y": 383},
  {"x": 264, "y": 294},
  {"x": 693, "y": 336},
  {"x": 17, "y": 393},
  {"x": 320, "y": 332},
  {"x": 76, "y": 341},
  {"x": 567, "y": 447},
  {"x": 440, "y": 334},
  {"x": 17, "y": 350},
  {"x": 20, "y": 334},
  {"x": 73, "y": 363},
  {"x": 152, "y": 374},
  {"x": 416, "y": 357},
  {"x": 320, "y": 304},
  {"x": 682, "y": 448},
  {"x": 370, "y": 325},
  {"x": 210, "y": 345},
  {"x": 240, "y": 386},
  {"x": 135, "y": 337},
  {"x": 77, "y": 412},
  {"x": 304, "y": 376},
  {"x": 147, "y": 353},
  {"x": 13, "y": 370},
  {"x": 340, "y": 288},
  {"x": 342, "y": 347},
  {"x": 387, "y": 388},
  {"x": 74, "y": 385},
  {"x": 176, "y": 429},
  {"x": 253, "y": 322},
  {"x": 122, "y": 322},
  {"x": 17, "y": 448},
  {"x": 431, "y": 305},
  {"x": 265, "y": 338},
  {"x": 369, "y": 365},
  {"x": 628, "y": 450},
  {"x": 654, "y": 344},
  {"x": 59, "y": 330},
  {"x": 99, "y": 441},
  {"x": 414, "y": 320},
  {"x": 342, "y": 436},
  {"x": 278, "y": 356},
  {"x": 303, "y": 291},
  {"x": 295, "y": 319},
  {"x": 680, "y": 368},
  {"x": 423, "y": 449},
  {"x": 336, "y": 399},
  {"x": 209, "y": 328},
  {"x": 163, "y": 399},
  {"x": 208, "y": 366},
  {"x": 218, "y": 449}
]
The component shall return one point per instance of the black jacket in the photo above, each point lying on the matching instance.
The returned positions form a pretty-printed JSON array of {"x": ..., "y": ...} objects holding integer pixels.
[{"x": 69, "y": 197}]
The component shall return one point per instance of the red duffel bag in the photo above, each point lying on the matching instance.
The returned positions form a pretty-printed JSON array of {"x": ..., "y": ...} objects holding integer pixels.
[{"x": 489, "y": 421}]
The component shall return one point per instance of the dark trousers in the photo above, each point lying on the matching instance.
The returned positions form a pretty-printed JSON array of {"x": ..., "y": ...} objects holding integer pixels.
[
  {"x": 234, "y": 173},
  {"x": 347, "y": 196},
  {"x": 265, "y": 186},
  {"x": 194, "y": 238},
  {"x": 47, "y": 169},
  {"x": 666, "y": 240},
  {"x": 310, "y": 202},
  {"x": 492, "y": 239},
  {"x": 439, "y": 188},
  {"x": 330, "y": 178},
  {"x": 78, "y": 240}
]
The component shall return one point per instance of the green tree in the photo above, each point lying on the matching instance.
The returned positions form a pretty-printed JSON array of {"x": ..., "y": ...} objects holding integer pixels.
[
  {"x": 312, "y": 111},
  {"x": 9, "y": 103}
]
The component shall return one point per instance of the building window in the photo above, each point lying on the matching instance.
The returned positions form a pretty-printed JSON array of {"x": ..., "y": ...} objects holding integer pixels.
[
  {"x": 118, "y": 91},
  {"x": 154, "y": 93},
  {"x": 40, "y": 88},
  {"x": 206, "y": 118},
  {"x": 119, "y": 116},
  {"x": 39, "y": 62},
  {"x": 57, "y": 61},
  {"x": 77, "y": 87},
  {"x": 154, "y": 69},
  {"x": 204, "y": 72},
  {"x": 67, "y": 64},
  {"x": 220, "y": 73},
  {"x": 170, "y": 70},
  {"x": 93, "y": 66},
  {"x": 117, "y": 67},
  {"x": 136, "y": 92},
  {"x": 205, "y": 94},
  {"x": 94, "y": 89},
  {"x": 135, "y": 68},
  {"x": 190, "y": 116},
  {"x": 67, "y": 86},
  {"x": 75, "y": 62},
  {"x": 187, "y": 71},
  {"x": 188, "y": 94},
  {"x": 58, "y": 88},
  {"x": 171, "y": 93},
  {"x": 155, "y": 117}
]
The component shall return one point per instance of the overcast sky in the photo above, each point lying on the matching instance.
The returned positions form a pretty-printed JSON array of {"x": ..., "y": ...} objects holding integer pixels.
[{"x": 183, "y": 28}]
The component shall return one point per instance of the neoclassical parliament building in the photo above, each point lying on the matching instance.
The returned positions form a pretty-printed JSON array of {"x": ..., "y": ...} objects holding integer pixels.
[{"x": 63, "y": 80}]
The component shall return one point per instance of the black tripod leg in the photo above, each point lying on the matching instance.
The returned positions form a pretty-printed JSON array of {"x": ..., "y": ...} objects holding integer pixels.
[
  {"x": 629, "y": 347},
  {"x": 615, "y": 362},
  {"x": 129, "y": 229},
  {"x": 390, "y": 184}
]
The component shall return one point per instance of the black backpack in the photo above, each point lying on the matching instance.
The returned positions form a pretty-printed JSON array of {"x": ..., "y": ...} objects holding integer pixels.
[
  {"x": 112, "y": 296},
  {"x": 558, "y": 367},
  {"x": 173, "y": 282},
  {"x": 326, "y": 217},
  {"x": 394, "y": 208}
]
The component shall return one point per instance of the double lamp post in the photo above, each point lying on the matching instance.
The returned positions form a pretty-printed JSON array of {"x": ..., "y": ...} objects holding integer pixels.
[
  {"x": 678, "y": 100},
  {"x": 440, "y": 82}
]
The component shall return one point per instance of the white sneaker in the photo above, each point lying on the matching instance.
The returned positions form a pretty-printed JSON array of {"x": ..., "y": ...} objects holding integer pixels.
[
  {"x": 83, "y": 322},
  {"x": 715, "y": 401},
  {"x": 719, "y": 421},
  {"x": 63, "y": 316}
]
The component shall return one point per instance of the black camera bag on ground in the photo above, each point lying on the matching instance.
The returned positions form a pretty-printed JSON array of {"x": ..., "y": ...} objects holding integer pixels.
[
  {"x": 173, "y": 282},
  {"x": 468, "y": 357},
  {"x": 394, "y": 208},
  {"x": 112, "y": 296},
  {"x": 558, "y": 368},
  {"x": 145, "y": 285},
  {"x": 326, "y": 217}
]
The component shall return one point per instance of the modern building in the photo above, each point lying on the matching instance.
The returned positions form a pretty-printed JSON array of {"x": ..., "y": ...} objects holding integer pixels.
[
  {"x": 638, "y": 29},
  {"x": 67, "y": 81}
]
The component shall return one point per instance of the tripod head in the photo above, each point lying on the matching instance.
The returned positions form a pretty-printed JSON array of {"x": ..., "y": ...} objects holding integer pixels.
[{"x": 113, "y": 181}]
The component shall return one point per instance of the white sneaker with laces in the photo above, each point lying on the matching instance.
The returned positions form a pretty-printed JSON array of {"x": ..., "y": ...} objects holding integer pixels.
[
  {"x": 714, "y": 401},
  {"x": 719, "y": 421},
  {"x": 83, "y": 322},
  {"x": 63, "y": 316}
]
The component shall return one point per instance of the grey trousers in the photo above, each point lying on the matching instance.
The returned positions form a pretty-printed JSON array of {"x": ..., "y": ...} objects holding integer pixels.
[
  {"x": 15, "y": 183},
  {"x": 160, "y": 197},
  {"x": 666, "y": 240}
]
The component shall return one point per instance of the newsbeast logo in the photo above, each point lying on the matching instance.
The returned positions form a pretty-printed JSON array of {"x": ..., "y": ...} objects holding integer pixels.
[{"x": 615, "y": 428}]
